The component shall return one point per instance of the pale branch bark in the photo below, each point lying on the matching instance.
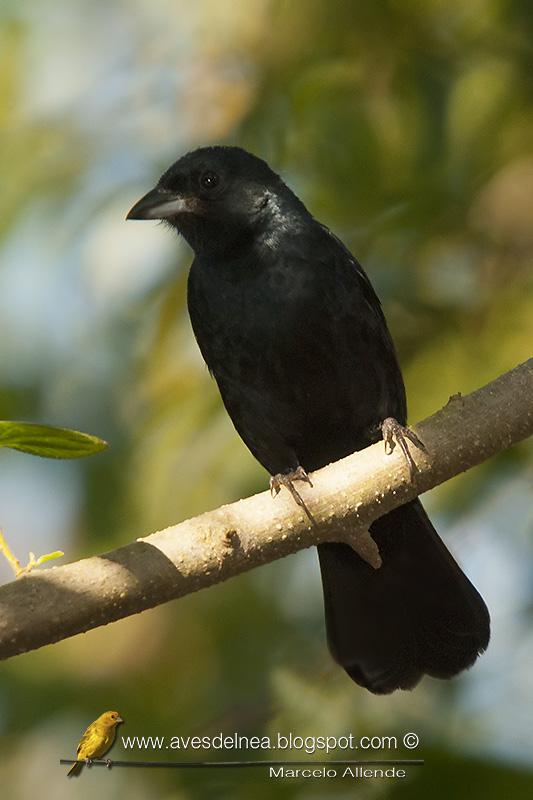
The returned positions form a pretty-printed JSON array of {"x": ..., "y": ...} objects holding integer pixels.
[{"x": 347, "y": 496}]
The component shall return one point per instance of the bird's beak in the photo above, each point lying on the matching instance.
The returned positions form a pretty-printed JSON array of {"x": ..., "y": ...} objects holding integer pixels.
[
  {"x": 119, "y": 719},
  {"x": 160, "y": 204}
]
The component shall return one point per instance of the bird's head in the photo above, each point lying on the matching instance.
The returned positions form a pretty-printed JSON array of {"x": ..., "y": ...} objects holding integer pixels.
[
  {"x": 110, "y": 719},
  {"x": 218, "y": 196}
]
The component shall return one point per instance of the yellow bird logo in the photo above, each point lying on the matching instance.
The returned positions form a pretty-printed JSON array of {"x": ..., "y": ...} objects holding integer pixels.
[{"x": 97, "y": 740}]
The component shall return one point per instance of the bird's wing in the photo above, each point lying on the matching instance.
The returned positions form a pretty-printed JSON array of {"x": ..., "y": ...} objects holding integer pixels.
[
  {"x": 87, "y": 742},
  {"x": 370, "y": 323}
]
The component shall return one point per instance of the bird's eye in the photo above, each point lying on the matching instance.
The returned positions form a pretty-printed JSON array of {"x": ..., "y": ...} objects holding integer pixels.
[{"x": 209, "y": 179}]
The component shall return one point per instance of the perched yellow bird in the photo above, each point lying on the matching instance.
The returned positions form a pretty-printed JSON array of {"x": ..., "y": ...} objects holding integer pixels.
[{"x": 97, "y": 739}]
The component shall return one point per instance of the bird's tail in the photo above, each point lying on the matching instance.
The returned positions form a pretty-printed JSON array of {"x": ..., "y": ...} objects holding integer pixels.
[
  {"x": 75, "y": 769},
  {"x": 417, "y": 614}
]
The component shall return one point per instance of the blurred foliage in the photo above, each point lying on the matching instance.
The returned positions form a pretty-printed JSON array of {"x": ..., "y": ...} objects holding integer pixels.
[{"x": 407, "y": 127}]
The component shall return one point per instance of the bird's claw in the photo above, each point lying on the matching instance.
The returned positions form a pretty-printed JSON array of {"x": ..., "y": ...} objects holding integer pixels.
[
  {"x": 108, "y": 763},
  {"x": 287, "y": 479},
  {"x": 393, "y": 432}
]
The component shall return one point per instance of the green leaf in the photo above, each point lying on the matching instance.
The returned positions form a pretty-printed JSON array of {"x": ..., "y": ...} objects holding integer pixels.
[
  {"x": 47, "y": 441},
  {"x": 48, "y": 557}
]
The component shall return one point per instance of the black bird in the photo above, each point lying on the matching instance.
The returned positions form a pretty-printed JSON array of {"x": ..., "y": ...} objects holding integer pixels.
[{"x": 294, "y": 335}]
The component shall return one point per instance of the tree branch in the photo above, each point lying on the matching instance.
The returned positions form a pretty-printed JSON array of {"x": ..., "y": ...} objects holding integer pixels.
[{"x": 347, "y": 496}]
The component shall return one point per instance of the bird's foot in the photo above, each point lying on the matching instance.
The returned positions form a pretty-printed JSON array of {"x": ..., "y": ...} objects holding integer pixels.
[
  {"x": 89, "y": 762},
  {"x": 108, "y": 763},
  {"x": 287, "y": 479},
  {"x": 393, "y": 432}
]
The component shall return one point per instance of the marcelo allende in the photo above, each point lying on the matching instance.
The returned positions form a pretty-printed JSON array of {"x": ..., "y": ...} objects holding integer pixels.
[{"x": 333, "y": 772}]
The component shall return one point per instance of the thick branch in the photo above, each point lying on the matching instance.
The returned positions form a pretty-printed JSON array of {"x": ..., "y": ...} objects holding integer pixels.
[{"x": 347, "y": 496}]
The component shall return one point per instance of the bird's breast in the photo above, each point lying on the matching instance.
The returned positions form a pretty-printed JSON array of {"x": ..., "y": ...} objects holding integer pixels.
[{"x": 242, "y": 319}]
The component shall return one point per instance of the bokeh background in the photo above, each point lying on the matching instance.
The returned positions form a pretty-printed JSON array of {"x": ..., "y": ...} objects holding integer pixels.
[{"x": 407, "y": 127}]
